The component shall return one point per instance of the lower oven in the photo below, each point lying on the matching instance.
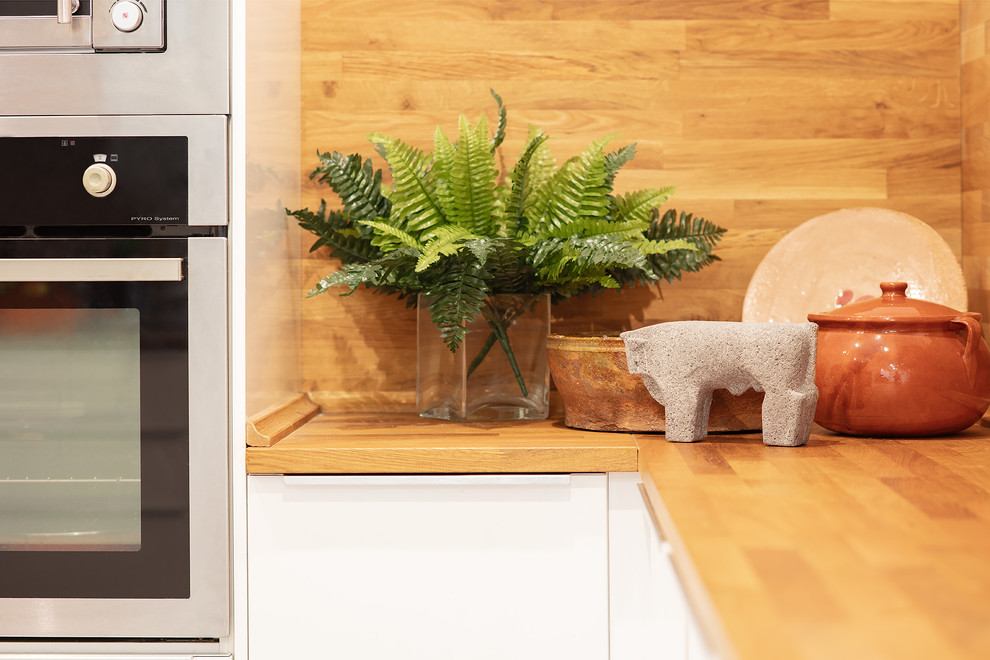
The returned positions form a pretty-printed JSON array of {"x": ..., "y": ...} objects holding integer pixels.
[{"x": 114, "y": 521}]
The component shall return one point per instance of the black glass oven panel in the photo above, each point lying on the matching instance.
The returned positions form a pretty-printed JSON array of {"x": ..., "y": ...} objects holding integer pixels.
[
  {"x": 38, "y": 8},
  {"x": 42, "y": 182},
  {"x": 159, "y": 566}
]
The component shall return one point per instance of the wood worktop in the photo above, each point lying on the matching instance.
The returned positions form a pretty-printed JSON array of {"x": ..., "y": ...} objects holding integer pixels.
[
  {"x": 408, "y": 444},
  {"x": 845, "y": 548}
]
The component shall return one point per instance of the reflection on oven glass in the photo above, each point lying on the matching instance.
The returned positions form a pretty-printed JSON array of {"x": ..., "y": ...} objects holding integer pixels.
[{"x": 70, "y": 429}]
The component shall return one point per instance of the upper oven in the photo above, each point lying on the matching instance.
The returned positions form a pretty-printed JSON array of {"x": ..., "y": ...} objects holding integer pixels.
[
  {"x": 114, "y": 438},
  {"x": 85, "y": 25},
  {"x": 98, "y": 57}
]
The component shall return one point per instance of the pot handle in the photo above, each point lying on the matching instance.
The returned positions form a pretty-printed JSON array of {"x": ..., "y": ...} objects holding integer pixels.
[{"x": 974, "y": 335}]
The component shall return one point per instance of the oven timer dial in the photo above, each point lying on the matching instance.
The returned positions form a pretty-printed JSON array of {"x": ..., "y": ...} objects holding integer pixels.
[
  {"x": 99, "y": 179},
  {"x": 126, "y": 15}
]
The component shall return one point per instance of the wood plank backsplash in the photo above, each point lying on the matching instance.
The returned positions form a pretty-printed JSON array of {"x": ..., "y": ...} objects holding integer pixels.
[
  {"x": 974, "y": 20},
  {"x": 764, "y": 113}
]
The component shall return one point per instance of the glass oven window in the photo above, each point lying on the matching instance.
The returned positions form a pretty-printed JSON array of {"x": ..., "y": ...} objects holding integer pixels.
[
  {"x": 94, "y": 419},
  {"x": 70, "y": 389}
]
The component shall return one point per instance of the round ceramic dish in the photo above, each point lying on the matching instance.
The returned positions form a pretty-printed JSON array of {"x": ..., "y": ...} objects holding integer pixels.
[
  {"x": 600, "y": 394},
  {"x": 838, "y": 258},
  {"x": 898, "y": 367}
]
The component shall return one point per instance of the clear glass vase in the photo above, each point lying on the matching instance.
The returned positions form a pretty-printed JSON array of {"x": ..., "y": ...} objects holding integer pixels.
[{"x": 500, "y": 370}]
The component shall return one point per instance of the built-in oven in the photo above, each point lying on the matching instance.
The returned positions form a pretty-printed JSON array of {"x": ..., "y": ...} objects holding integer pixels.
[
  {"x": 89, "y": 57},
  {"x": 113, "y": 379}
]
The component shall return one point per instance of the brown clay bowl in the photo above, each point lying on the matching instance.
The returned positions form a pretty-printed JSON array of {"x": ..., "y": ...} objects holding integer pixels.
[
  {"x": 600, "y": 394},
  {"x": 898, "y": 367}
]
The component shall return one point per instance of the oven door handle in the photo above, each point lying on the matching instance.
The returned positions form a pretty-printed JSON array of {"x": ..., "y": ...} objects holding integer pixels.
[{"x": 91, "y": 270}]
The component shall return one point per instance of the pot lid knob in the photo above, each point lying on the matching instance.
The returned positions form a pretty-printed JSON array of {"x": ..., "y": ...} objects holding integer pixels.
[{"x": 893, "y": 291}]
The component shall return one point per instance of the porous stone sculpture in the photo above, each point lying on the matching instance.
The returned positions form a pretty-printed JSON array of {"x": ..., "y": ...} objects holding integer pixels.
[{"x": 683, "y": 362}]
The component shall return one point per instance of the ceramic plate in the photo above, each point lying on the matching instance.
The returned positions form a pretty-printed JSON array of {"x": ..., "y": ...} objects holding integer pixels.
[{"x": 842, "y": 257}]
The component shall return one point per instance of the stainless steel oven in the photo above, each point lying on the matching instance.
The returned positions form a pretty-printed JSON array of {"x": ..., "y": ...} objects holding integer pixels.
[
  {"x": 113, "y": 379},
  {"x": 88, "y": 57}
]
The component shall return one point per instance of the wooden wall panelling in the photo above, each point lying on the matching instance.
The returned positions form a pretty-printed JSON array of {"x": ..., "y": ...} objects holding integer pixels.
[
  {"x": 974, "y": 19},
  {"x": 764, "y": 114}
]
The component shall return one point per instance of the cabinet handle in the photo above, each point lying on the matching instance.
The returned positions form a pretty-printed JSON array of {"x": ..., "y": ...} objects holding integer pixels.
[
  {"x": 64, "y": 10},
  {"x": 429, "y": 480},
  {"x": 166, "y": 269}
]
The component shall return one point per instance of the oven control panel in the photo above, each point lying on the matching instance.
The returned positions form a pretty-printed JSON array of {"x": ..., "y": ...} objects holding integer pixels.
[
  {"x": 82, "y": 25},
  {"x": 128, "y": 25},
  {"x": 71, "y": 181}
]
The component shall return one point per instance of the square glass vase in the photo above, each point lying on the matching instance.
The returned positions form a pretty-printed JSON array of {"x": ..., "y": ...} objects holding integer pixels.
[{"x": 499, "y": 372}]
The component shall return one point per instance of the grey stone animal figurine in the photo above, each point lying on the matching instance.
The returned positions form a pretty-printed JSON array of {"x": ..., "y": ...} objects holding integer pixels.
[{"x": 683, "y": 362}]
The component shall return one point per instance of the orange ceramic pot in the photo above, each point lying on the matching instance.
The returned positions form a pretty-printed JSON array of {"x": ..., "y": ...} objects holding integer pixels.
[{"x": 898, "y": 367}]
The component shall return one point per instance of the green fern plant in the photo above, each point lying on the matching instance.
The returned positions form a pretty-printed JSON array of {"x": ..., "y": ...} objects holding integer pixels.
[{"x": 453, "y": 227}]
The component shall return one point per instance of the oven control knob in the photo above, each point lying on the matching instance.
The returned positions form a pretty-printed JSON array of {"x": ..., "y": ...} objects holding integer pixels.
[
  {"x": 126, "y": 15},
  {"x": 99, "y": 179}
]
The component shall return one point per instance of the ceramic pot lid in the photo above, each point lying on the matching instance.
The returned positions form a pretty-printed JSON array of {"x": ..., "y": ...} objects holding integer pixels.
[{"x": 893, "y": 305}]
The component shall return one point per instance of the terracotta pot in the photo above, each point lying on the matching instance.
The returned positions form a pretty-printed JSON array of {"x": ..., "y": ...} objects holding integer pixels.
[
  {"x": 600, "y": 394},
  {"x": 898, "y": 367}
]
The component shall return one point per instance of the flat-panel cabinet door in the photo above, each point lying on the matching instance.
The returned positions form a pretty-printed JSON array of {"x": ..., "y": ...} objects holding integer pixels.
[
  {"x": 447, "y": 566},
  {"x": 650, "y": 616}
]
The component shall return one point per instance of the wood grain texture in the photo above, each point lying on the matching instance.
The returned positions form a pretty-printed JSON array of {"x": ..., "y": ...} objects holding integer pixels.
[
  {"x": 271, "y": 425},
  {"x": 407, "y": 444},
  {"x": 763, "y": 113},
  {"x": 974, "y": 17},
  {"x": 845, "y": 548}
]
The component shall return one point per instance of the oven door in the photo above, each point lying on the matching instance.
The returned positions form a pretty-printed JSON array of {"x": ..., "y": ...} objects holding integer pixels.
[{"x": 113, "y": 476}]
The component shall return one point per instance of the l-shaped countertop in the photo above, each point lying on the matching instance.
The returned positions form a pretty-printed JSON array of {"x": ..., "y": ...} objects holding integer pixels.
[{"x": 844, "y": 548}]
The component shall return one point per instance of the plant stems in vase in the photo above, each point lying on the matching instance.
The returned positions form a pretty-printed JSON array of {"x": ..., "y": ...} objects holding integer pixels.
[{"x": 477, "y": 383}]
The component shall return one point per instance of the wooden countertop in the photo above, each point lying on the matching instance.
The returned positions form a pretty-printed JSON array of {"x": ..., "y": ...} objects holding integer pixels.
[
  {"x": 845, "y": 548},
  {"x": 406, "y": 443}
]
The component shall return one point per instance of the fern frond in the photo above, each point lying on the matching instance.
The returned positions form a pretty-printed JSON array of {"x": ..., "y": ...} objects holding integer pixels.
[
  {"x": 586, "y": 227},
  {"x": 443, "y": 161},
  {"x": 471, "y": 179},
  {"x": 506, "y": 267},
  {"x": 415, "y": 207},
  {"x": 701, "y": 233},
  {"x": 446, "y": 241},
  {"x": 357, "y": 184},
  {"x": 351, "y": 276},
  {"x": 457, "y": 298},
  {"x": 334, "y": 229},
  {"x": 577, "y": 190},
  {"x": 398, "y": 274},
  {"x": 522, "y": 179},
  {"x": 481, "y": 247},
  {"x": 639, "y": 205},
  {"x": 665, "y": 246},
  {"x": 389, "y": 238},
  {"x": 616, "y": 159},
  {"x": 603, "y": 252},
  {"x": 502, "y": 120}
]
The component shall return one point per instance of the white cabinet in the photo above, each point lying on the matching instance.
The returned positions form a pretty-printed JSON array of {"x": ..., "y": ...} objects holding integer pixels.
[
  {"x": 650, "y": 617},
  {"x": 462, "y": 566},
  {"x": 376, "y": 568}
]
